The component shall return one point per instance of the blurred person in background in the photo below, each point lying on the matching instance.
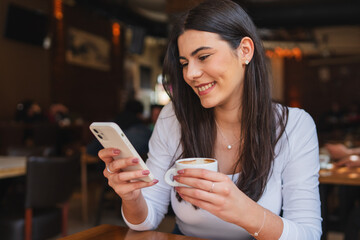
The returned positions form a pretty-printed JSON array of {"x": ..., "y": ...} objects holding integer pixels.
[
  {"x": 155, "y": 110},
  {"x": 29, "y": 111},
  {"x": 59, "y": 114}
]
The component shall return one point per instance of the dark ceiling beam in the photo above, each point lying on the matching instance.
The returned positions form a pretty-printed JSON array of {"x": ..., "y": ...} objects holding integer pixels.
[
  {"x": 274, "y": 14},
  {"x": 176, "y": 6},
  {"x": 125, "y": 14},
  {"x": 303, "y": 14}
]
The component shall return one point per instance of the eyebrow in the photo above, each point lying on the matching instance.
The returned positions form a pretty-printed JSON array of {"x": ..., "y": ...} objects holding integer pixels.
[{"x": 195, "y": 51}]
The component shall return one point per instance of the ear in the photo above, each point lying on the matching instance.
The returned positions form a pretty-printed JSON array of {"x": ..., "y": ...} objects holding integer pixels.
[{"x": 246, "y": 50}]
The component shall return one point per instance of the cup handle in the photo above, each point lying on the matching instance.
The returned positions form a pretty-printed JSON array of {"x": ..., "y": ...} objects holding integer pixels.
[{"x": 168, "y": 179}]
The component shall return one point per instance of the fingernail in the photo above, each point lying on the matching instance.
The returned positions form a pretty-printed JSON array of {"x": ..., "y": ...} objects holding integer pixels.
[
  {"x": 155, "y": 181},
  {"x": 116, "y": 151},
  {"x": 145, "y": 172},
  {"x": 135, "y": 160},
  {"x": 176, "y": 177},
  {"x": 181, "y": 171}
]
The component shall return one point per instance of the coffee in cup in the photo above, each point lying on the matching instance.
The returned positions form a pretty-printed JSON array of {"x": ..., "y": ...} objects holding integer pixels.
[
  {"x": 197, "y": 161},
  {"x": 203, "y": 163}
]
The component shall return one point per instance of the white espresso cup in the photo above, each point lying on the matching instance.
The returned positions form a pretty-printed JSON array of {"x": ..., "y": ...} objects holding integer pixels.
[{"x": 204, "y": 163}]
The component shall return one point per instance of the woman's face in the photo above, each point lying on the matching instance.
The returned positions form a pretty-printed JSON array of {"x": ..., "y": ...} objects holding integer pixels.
[{"x": 211, "y": 68}]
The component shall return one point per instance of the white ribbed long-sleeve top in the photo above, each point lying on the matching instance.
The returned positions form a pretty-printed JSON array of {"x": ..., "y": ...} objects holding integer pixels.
[{"x": 292, "y": 187}]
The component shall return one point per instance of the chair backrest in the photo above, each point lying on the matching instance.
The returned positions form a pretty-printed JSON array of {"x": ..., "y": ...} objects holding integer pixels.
[{"x": 50, "y": 180}]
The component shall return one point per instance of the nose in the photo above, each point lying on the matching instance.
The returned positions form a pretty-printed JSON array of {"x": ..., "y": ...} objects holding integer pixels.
[{"x": 193, "y": 71}]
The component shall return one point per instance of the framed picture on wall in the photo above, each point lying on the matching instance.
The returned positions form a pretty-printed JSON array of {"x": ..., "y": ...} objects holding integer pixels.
[{"x": 87, "y": 50}]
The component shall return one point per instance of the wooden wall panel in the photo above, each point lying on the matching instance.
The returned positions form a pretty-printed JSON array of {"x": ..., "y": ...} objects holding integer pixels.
[
  {"x": 24, "y": 68},
  {"x": 315, "y": 85},
  {"x": 91, "y": 93}
]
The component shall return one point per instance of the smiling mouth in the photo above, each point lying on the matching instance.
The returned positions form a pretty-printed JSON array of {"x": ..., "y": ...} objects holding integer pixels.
[{"x": 205, "y": 87}]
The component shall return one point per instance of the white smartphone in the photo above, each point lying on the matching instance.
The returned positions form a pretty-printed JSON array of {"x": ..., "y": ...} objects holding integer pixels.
[{"x": 110, "y": 135}]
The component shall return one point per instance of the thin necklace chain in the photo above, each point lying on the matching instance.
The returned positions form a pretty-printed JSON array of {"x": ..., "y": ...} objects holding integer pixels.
[{"x": 229, "y": 146}]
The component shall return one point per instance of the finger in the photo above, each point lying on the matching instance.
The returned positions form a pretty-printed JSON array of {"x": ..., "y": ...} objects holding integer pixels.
[
  {"x": 106, "y": 173},
  {"x": 193, "y": 182},
  {"x": 196, "y": 193},
  {"x": 107, "y": 154},
  {"x": 211, "y": 203},
  {"x": 108, "y": 169},
  {"x": 132, "y": 175},
  {"x": 125, "y": 176},
  {"x": 122, "y": 189},
  {"x": 203, "y": 199},
  {"x": 117, "y": 164},
  {"x": 205, "y": 185},
  {"x": 203, "y": 174}
]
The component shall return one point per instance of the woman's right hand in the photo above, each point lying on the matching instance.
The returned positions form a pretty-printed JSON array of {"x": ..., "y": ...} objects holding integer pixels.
[{"x": 125, "y": 184}]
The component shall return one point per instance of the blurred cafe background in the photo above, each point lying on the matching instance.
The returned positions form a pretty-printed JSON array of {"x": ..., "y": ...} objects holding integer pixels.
[{"x": 67, "y": 63}]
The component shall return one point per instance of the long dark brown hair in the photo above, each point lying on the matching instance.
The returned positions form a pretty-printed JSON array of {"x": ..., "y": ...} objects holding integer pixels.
[{"x": 262, "y": 121}]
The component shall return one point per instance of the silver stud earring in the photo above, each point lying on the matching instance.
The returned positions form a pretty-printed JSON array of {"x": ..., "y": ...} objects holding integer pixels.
[{"x": 246, "y": 62}]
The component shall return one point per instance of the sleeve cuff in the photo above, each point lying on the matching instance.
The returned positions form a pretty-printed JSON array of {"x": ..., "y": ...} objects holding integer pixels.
[
  {"x": 147, "y": 224},
  {"x": 285, "y": 232}
]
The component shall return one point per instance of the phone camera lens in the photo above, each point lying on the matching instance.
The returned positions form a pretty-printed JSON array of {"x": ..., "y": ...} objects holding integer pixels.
[{"x": 100, "y": 136}]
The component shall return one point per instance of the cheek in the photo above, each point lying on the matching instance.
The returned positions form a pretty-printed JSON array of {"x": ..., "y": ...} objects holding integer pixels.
[
  {"x": 221, "y": 67},
  {"x": 219, "y": 71}
]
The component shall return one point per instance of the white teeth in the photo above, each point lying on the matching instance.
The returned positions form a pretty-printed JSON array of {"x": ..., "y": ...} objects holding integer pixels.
[{"x": 203, "y": 88}]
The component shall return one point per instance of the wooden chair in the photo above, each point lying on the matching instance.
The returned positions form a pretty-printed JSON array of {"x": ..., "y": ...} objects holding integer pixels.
[
  {"x": 49, "y": 186},
  {"x": 85, "y": 160}
]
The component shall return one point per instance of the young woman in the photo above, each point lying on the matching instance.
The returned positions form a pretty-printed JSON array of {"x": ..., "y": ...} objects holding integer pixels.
[{"x": 216, "y": 76}]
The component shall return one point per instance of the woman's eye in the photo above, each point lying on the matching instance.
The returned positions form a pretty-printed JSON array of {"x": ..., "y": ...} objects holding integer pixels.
[
  {"x": 202, "y": 58},
  {"x": 183, "y": 64}
]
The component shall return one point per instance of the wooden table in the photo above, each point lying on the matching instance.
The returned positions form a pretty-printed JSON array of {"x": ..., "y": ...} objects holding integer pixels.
[
  {"x": 334, "y": 176},
  {"x": 341, "y": 175},
  {"x": 11, "y": 166},
  {"x": 111, "y": 232}
]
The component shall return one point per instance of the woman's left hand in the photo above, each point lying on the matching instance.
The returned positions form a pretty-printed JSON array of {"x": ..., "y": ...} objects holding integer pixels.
[{"x": 214, "y": 192}]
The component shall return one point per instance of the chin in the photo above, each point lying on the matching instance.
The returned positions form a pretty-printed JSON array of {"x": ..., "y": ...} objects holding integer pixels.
[{"x": 207, "y": 104}]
